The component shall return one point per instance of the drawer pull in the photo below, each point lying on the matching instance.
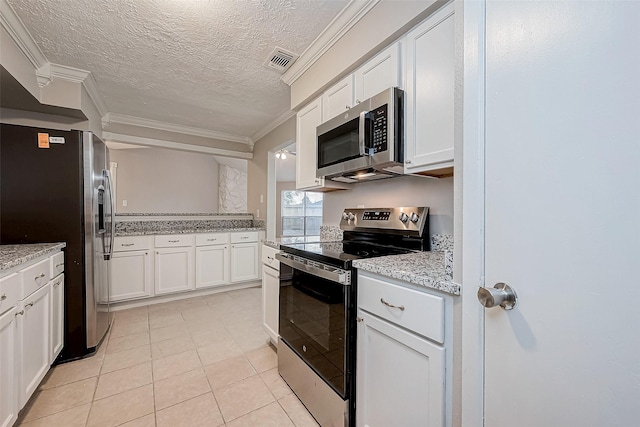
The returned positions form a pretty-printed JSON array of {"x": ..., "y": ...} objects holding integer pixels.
[
  {"x": 60, "y": 264},
  {"x": 40, "y": 276},
  {"x": 400, "y": 307},
  {"x": 359, "y": 319},
  {"x": 244, "y": 237},
  {"x": 21, "y": 312},
  {"x": 211, "y": 240},
  {"x": 127, "y": 244},
  {"x": 174, "y": 241},
  {"x": 29, "y": 305},
  {"x": 269, "y": 258},
  {"x": 3, "y": 297},
  {"x": 56, "y": 284}
]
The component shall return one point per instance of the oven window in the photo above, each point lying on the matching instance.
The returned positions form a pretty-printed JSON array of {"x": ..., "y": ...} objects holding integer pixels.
[
  {"x": 313, "y": 323},
  {"x": 339, "y": 144}
]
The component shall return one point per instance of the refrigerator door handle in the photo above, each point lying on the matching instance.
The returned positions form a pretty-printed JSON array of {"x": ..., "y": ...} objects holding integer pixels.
[{"x": 108, "y": 250}]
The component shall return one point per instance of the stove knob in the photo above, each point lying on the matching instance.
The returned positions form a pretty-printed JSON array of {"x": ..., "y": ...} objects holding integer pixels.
[
  {"x": 345, "y": 216},
  {"x": 351, "y": 216},
  {"x": 414, "y": 217},
  {"x": 404, "y": 217}
]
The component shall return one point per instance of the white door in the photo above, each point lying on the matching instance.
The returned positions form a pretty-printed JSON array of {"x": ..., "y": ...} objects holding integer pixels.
[
  {"x": 9, "y": 366},
  {"x": 57, "y": 317},
  {"x": 174, "y": 270},
  {"x": 244, "y": 262},
  {"x": 212, "y": 266},
  {"x": 562, "y": 206}
]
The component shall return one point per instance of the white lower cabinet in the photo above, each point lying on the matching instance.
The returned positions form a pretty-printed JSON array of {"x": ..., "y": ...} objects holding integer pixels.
[
  {"x": 34, "y": 349},
  {"x": 8, "y": 373},
  {"x": 131, "y": 268},
  {"x": 270, "y": 292},
  {"x": 174, "y": 270},
  {"x": 57, "y": 317},
  {"x": 212, "y": 260},
  {"x": 244, "y": 262},
  {"x": 403, "y": 335}
]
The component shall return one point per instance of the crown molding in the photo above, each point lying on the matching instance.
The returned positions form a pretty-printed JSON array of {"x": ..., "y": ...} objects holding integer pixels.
[
  {"x": 152, "y": 142},
  {"x": 170, "y": 127},
  {"x": 12, "y": 23},
  {"x": 343, "y": 22},
  {"x": 92, "y": 90},
  {"x": 274, "y": 124}
]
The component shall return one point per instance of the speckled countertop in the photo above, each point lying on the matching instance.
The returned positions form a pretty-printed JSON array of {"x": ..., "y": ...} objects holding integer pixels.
[
  {"x": 14, "y": 255},
  {"x": 419, "y": 268},
  {"x": 275, "y": 243},
  {"x": 184, "y": 231},
  {"x": 185, "y": 214}
]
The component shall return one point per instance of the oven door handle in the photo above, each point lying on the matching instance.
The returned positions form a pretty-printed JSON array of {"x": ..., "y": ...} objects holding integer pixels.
[{"x": 334, "y": 274}]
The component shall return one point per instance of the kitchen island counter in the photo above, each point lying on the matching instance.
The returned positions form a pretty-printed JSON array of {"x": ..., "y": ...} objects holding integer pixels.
[{"x": 15, "y": 255}]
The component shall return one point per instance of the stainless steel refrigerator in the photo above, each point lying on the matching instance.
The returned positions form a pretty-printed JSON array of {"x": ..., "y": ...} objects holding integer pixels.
[{"x": 55, "y": 187}]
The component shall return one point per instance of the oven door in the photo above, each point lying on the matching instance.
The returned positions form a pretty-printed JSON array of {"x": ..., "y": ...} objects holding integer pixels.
[{"x": 317, "y": 320}]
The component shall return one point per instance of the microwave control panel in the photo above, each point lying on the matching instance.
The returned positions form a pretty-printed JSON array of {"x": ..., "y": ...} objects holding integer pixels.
[{"x": 379, "y": 134}]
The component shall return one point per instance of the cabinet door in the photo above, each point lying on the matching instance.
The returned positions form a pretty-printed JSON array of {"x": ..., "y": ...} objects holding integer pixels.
[
  {"x": 33, "y": 340},
  {"x": 212, "y": 266},
  {"x": 9, "y": 367},
  {"x": 430, "y": 93},
  {"x": 388, "y": 356},
  {"x": 244, "y": 262},
  {"x": 174, "y": 270},
  {"x": 130, "y": 275},
  {"x": 337, "y": 98},
  {"x": 57, "y": 317},
  {"x": 270, "y": 301},
  {"x": 306, "y": 155},
  {"x": 379, "y": 73}
]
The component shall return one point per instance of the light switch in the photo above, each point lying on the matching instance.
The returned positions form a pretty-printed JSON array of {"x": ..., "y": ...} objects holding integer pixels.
[
  {"x": 262, "y": 198},
  {"x": 124, "y": 202},
  {"x": 257, "y": 213}
]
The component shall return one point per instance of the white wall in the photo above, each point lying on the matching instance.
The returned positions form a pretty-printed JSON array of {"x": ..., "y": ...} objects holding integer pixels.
[
  {"x": 437, "y": 194},
  {"x": 155, "y": 180}
]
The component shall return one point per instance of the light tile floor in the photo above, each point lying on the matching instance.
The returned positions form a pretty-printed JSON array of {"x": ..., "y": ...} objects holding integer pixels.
[{"x": 202, "y": 361}]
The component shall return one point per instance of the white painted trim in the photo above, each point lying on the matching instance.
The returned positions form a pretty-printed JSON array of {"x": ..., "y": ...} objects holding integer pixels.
[
  {"x": 271, "y": 195},
  {"x": 343, "y": 22},
  {"x": 93, "y": 92},
  {"x": 473, "y": 211},
  {"x": 150, "y": 142},
  {"x": 124, "y": 305},
  {"x": 12, "y": 23},
  {"x": 170, "y": 127},
  {"x": 274, "y": 124}
]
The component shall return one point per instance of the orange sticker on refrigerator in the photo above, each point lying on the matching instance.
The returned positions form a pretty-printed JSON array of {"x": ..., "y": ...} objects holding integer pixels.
[{"x": 43, "y": 140}]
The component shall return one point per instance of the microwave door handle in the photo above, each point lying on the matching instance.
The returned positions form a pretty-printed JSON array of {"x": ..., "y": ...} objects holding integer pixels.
[{"x": 364, "y": 151}]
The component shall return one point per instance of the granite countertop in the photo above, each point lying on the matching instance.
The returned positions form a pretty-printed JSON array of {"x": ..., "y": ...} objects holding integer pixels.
[
  {"x": 185, "y": 231},
  {"x": 419, "y": 268},
  {"x": 185, "y": 214},
  {"x": 275, "y": 243},
  {"x": 14, "y": 255}
]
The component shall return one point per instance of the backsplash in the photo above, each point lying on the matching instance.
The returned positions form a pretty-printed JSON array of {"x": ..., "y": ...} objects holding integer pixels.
[
  {"x": 330, "y": 232},
  {"x": 441, "y": 242}
]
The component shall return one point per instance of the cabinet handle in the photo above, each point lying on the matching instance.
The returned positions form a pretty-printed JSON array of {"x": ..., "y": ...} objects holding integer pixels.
[
  {"x": 211, "y": 240},
  {"x": 407, "y": 161},
  {"x": 268, "y": 257},
  {"x": 146, "y": 253},
  {"x": 56, "y": 284},
  {"x": 400, "y": 307},
  {"x": 21, "y": 312},
  {"x": 127, "y": 244},
  {"x": 174, "y": 241},
  {"x": 347, "y": 107},
  {"x": 3, "y": 297},
  {"x": 244, "y": 237},
  {"x": 29, "y": 305},
  {"x": 357, "y": 101},
  {"x": 60, "y": 264},
  {"x": 359, "y": 319},
  {"x": 40, "y": 276}
]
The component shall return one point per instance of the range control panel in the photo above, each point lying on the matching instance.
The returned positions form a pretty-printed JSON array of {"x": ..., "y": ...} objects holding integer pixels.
[{"x": 402, "y": 220}]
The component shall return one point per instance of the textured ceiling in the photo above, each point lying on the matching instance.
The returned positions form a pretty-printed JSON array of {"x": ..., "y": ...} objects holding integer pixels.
[{"x": 197, "y": 63}]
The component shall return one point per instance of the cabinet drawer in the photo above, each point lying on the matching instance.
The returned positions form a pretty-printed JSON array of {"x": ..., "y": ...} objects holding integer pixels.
[
  {"x": 244, "y": 237},
  {"x": 34, "y": 277},
  {"x": 9, "y": 291},
  {"x": 57, "y": 264},
  {"x": 423, "y": 313},
  {"x": 209, "y": 239},
  {"x": 269, "y": 257},
  {"x": 175, "y": 240},
  {"x": 131, "y": 243}
]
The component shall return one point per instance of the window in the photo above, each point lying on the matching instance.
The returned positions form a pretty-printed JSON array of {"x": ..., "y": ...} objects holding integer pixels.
[{"x": 301, "y": 213}]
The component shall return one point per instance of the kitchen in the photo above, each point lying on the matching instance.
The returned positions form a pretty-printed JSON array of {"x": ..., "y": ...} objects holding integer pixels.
[{"x": 517, "y": 187}]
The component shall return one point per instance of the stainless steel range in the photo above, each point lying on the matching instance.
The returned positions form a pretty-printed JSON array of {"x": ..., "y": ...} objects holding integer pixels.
[{"x": 317, "y": 310}]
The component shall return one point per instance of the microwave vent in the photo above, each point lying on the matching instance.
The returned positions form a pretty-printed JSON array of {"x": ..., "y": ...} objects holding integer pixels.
[{"x": 281, "y": 59}]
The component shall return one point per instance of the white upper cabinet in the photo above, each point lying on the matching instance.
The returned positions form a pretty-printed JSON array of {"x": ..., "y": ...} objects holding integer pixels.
[
  {"x": 306, "y": 122},
  {"x": 379, "y": 73},
  {"x": 429, "y": 94},
  {"x": 338, "y": 98}
]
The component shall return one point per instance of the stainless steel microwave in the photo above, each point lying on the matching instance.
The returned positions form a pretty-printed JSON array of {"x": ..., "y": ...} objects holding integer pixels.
[{"x": 365, "y": 142}]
